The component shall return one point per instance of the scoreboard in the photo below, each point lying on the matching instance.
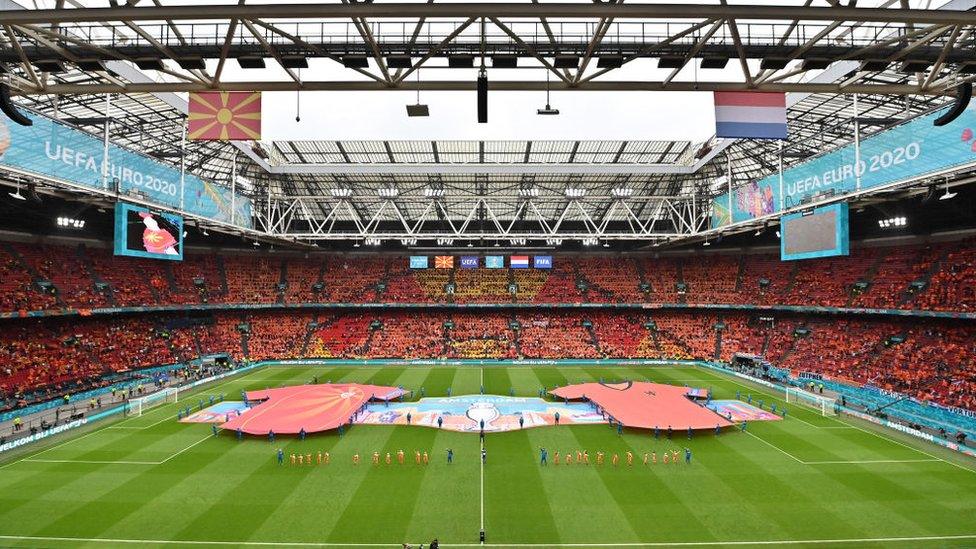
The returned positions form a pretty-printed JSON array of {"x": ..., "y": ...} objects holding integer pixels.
[
  {"x": 822, "y": 232},
  {"x": 141, "y": 232}
]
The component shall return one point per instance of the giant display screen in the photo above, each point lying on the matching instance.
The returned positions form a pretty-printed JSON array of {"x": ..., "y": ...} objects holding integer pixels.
[
  {"x": 913, "y": 149},
  {"x": 141, "y": 232},
  {"x": 822, "y": 232},
  {"x": 52, "y": 149}
]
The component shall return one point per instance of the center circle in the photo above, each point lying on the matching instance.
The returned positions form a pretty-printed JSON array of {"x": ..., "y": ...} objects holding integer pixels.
[{"x": 224, "y": 116}]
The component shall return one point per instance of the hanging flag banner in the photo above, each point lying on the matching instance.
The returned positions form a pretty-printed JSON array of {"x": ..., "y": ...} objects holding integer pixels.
[
  {"x": 519, "y": 262},
  {"x": 469, "y": 262},
  {"x": 444, "y": 262},
  {"x": 224, "y": 116},
  {"x": 542, "y": 262},
  {"x": 750, "y": 115},
  {"x": 494, "y": 261},
  {"x": 418, "y": 262}
]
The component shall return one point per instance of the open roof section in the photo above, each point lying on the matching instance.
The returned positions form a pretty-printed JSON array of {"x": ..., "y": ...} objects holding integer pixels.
[{"x": 821, "y": 117}]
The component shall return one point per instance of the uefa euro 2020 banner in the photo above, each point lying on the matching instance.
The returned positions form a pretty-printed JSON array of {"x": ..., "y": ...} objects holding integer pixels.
[
  {"x": 49, "y": 148},
  {"x": 913, "y": 149}
]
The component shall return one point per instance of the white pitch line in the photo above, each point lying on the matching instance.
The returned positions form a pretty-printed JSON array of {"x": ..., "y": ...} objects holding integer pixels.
[
  {"x": 106, "y": 426},
  {"x": 98, "y": 462},
  {"x": 115, "y": 462},
  {"x": 773, "y": 396},
  {"x": 482, "y": 493},
  {"x": 123, "y": 427},
  {"x": 923, "y": 452},
  {"x": 858, "y": 462},
  {"x": 185, "y": 449},
  {"x": 62, "y": 443},
  {"x": 168, "y": 404},
  {"x": 770, "y": 444},
  {"x": 123, "y": 541},
  {"x": 844, "y": 424},
  {"x": 482, "y": 444}
]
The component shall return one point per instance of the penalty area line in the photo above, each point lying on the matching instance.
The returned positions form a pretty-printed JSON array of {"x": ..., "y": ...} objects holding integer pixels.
[
  {"x": 93, "y": 462},
  {"x": 185, "y": 449},
  {"x": 114, "y": 462},
  {"x": 864, "y": 461},
  {"x": 842, "y": 462},
  {"x": 771, "y": 445},
  {"x": 123, "y": 541}
]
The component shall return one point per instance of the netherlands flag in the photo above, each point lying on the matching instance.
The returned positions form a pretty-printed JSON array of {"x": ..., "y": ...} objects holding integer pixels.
[
  {"x": 519, "y": 262},
  {"x": 750, "y": 115}
]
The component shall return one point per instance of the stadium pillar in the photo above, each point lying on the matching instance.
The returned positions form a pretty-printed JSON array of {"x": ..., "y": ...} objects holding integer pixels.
[
  {"x": 781, "y": 175},
  {"x": 105, "y": 164},
  {"x": 728, "y": 182},
  {"x": 182, "y": 167},
  {"x": 857, "y": 147},
  {"x": 233, "y": 187}
]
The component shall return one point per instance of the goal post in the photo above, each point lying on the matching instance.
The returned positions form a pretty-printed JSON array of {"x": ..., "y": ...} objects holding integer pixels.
[
  {"x": 138, "y": 406},
  {"x": 824, "y": 404}
]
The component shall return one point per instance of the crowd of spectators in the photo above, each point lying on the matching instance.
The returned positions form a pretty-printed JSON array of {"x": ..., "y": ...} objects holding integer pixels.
[
  {"x": 953, "y": 286},
  {"x": 933, "y": 361},
  {"x": 939, "y": 276}
]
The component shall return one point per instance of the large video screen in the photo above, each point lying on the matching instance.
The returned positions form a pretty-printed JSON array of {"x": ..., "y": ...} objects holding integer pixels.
[
  {"x": 142, "y": 232},
  {"x": 824, "y": 232}
]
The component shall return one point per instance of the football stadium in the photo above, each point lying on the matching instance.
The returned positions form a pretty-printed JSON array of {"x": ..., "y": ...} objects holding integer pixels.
[{"x": 514, "y": 274}]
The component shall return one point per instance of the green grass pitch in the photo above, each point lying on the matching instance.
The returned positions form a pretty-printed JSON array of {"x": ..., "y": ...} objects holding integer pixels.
[{"x": 808, "y": 481}]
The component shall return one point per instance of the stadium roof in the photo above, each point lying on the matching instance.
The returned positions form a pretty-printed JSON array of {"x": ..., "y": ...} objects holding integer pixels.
[{"x": 661, "y": 185}]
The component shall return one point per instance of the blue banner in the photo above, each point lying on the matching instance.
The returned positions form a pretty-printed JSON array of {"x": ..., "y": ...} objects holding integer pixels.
[
  {"x": 543, "y": 262},
  {"x": 418, "y": 262},
  {"x": 495, "y": 261},
  {"x": 469, "y": 262},
  {"x": 51, "y": 149},
  {"x": 910, "y": 150}
]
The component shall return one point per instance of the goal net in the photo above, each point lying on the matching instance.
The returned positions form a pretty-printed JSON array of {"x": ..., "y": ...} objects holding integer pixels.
[
  {"x": 138, "y": 406},
  {"x": 822, "y": 403}
]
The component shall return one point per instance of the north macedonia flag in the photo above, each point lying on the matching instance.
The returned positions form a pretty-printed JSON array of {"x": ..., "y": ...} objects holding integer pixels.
[{"x": 224, "y": 116}]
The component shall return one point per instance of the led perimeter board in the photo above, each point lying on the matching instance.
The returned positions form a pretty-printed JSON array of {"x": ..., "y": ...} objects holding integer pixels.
[
  {"x": 141, "y": 232},
  {"x": 823, "y": 232}
]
